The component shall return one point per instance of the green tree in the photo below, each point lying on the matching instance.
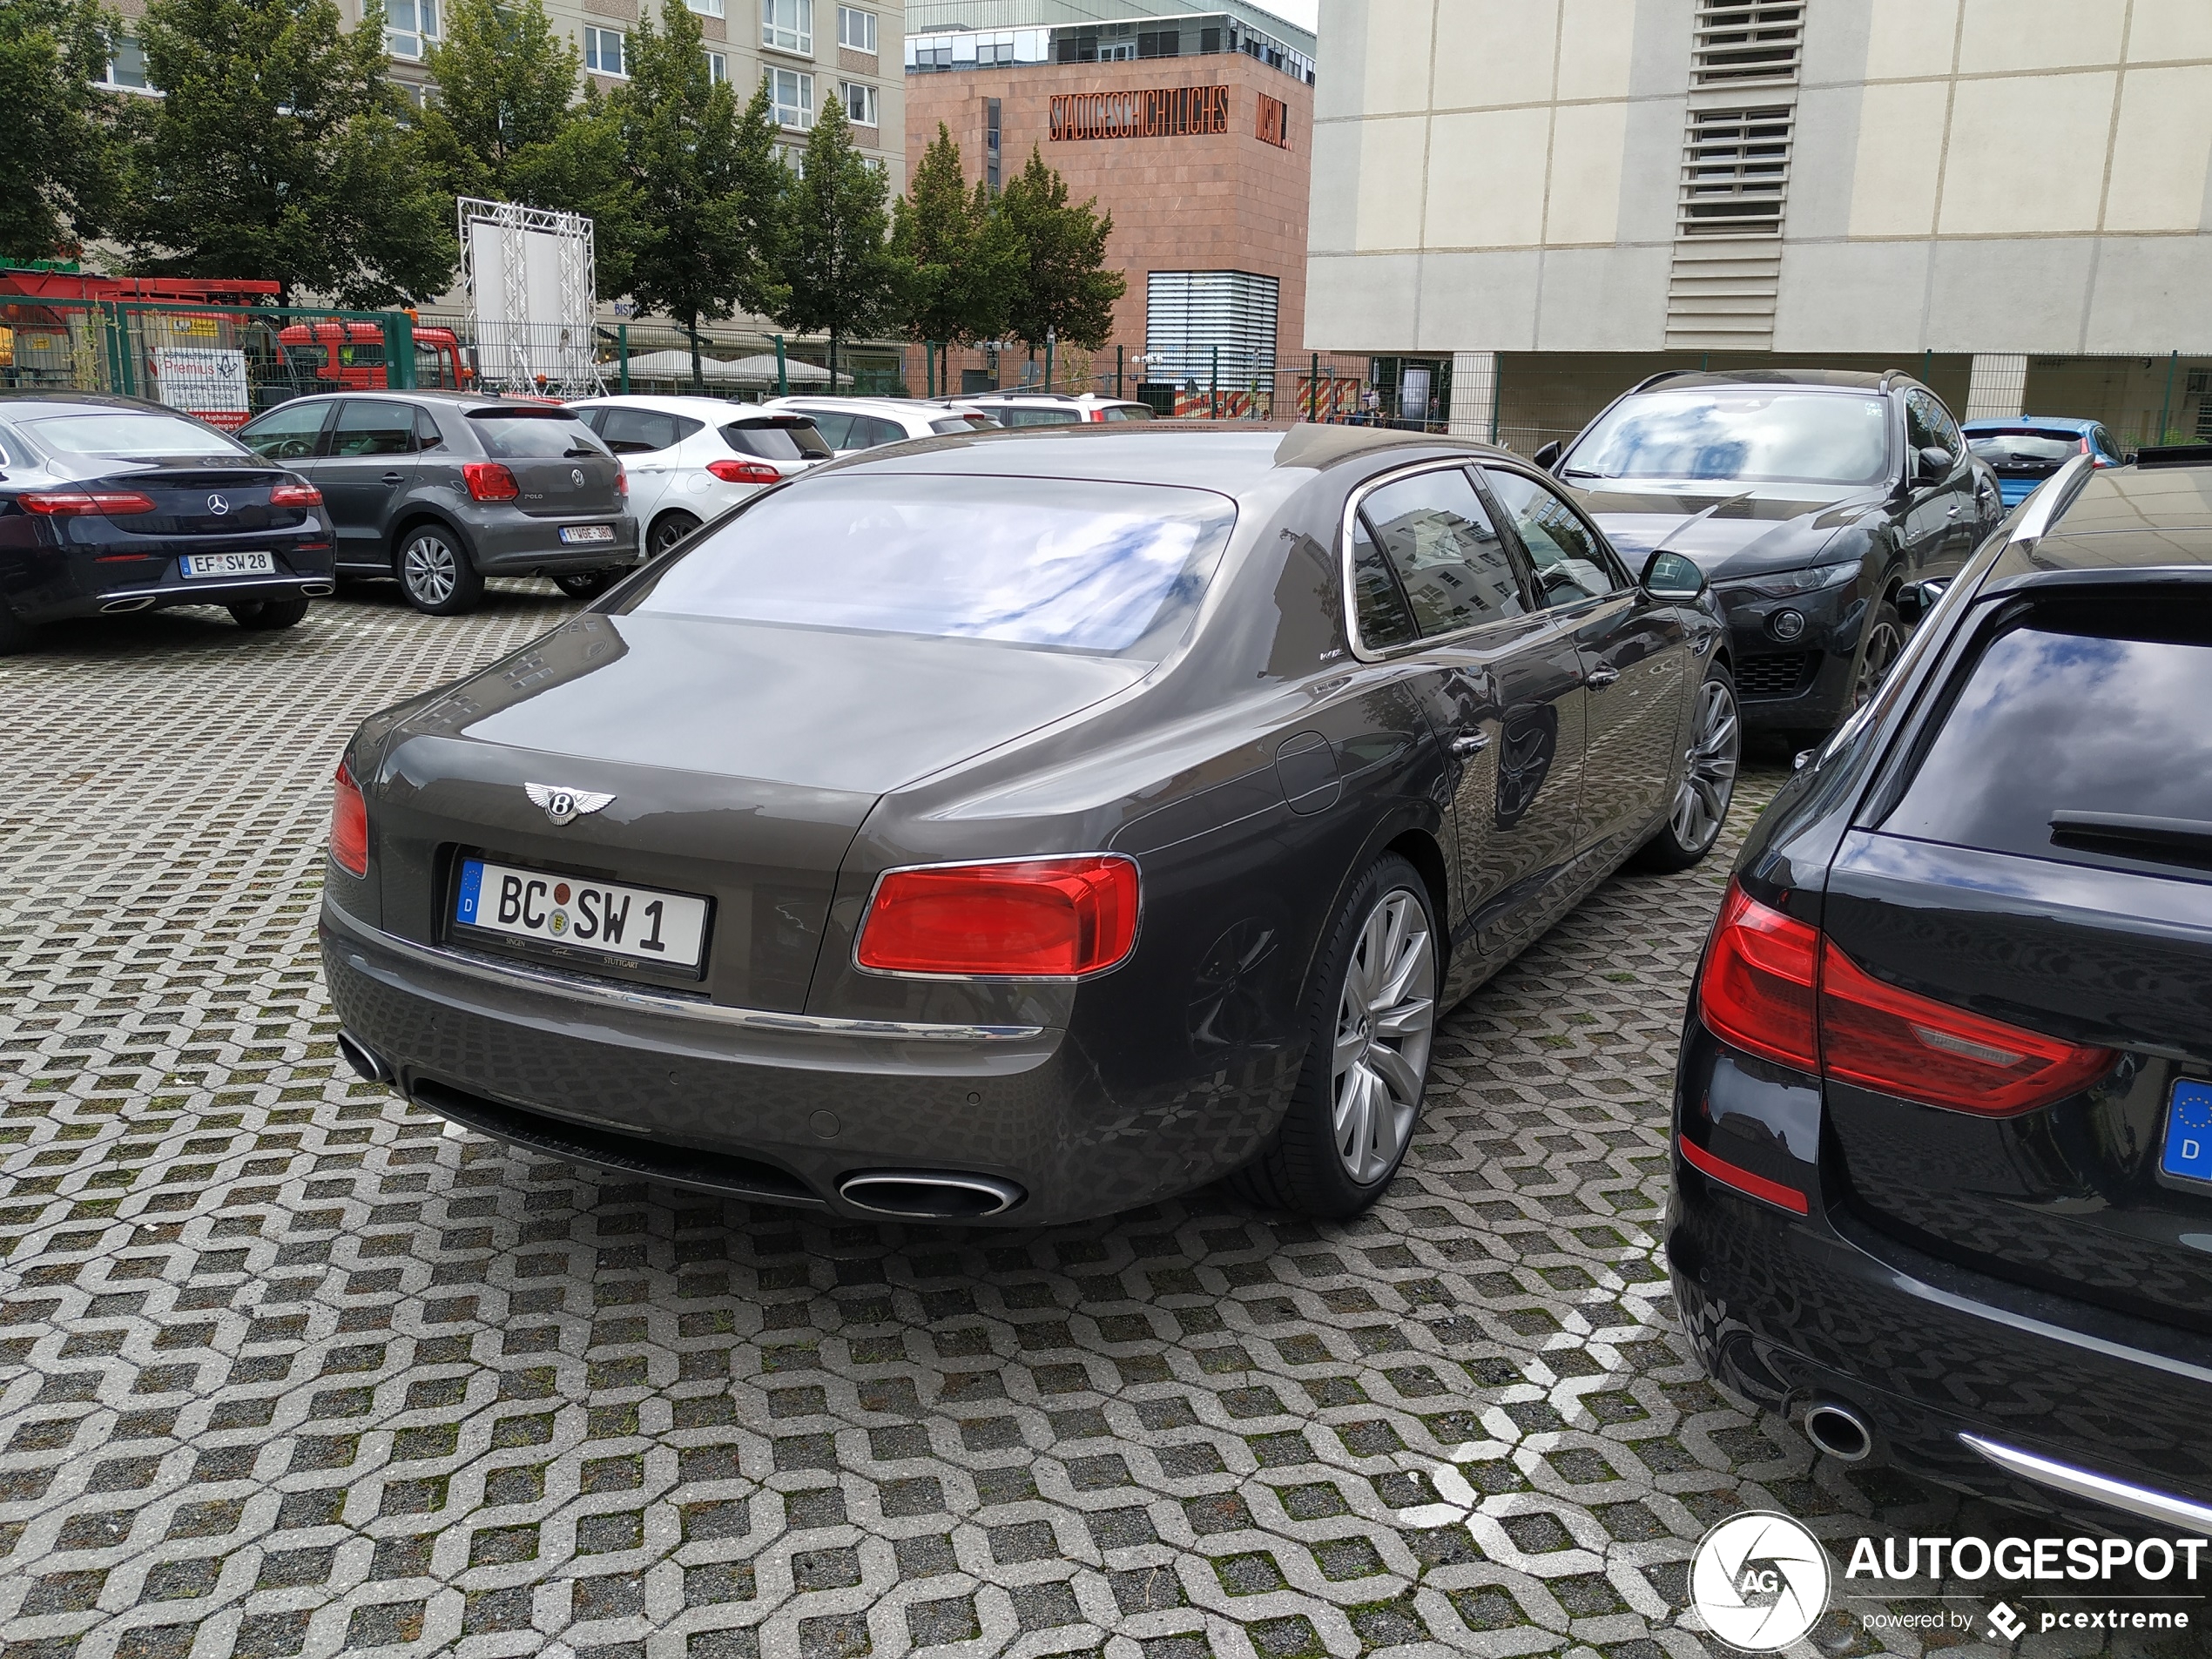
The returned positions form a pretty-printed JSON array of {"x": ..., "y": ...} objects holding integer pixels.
[
  {"x": 508, "y": 125},
  {"x": 57, "y": 169},
  {"x": 1065, "y": 289},
  {"x": 279, "y": 150},
  {"x": 706, "y": 183},
  {"x": 960, "y": 260},
  {"x": 844, "y": 279}
]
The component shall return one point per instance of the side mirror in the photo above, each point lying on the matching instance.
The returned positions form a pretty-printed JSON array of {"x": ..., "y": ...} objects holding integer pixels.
[
  {"x": 1931, "y": 465},
  {"x": 1916, "y": 599},
  {"x": 1547, "y": 457},
  {"x": 1672, "y": 575}
]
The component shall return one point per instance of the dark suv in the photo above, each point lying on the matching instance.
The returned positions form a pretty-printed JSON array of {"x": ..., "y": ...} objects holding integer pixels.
[
  {"x": 1944, "y": 1111},
  {"x": 442, "y": 489},
  {"x": 1815, "y": 501}
]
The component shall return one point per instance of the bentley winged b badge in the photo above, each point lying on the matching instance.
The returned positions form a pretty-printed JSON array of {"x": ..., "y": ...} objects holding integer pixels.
[{"x": 563, "y": 806}]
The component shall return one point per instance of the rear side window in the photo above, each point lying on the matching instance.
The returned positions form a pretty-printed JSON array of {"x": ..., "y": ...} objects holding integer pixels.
[
  {"x": 1112, "y": 568},
  {"x": 869, "y": 433},
  {"x": 1450, "y": 562},
  {"x": 788, "y": 439},
  {"x": 518, "y": 435},
  {"x": 1037, "y": 414},
  {"x": 370, "y": 428},
  {"x": 1125, "y": 412},
  {"x": 631, "y": 432},
  {"x": 2079, "y": 733},
  {"x": 836, "y": 429}
]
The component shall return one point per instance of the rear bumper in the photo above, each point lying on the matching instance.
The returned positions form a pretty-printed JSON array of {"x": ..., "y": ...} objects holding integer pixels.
[
  {"x": 1789, "y": 1309},
  {"x": 783, "y": 1108},
  {"x": 507, "y": 543},
  {"x": 98, "y": 592}
]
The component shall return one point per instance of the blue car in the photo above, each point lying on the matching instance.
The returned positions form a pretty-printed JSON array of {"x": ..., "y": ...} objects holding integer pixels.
[{"x": 2025, "y": 450}]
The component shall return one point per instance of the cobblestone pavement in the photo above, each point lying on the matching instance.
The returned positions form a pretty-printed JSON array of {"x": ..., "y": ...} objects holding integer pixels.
[{"x": 287, "y": 1367}]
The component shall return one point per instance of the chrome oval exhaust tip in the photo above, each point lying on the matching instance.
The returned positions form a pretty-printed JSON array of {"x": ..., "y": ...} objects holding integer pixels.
[
  {"x": 365, "y": 1064},
  {"x": 317, "y": 589},
  {"x": 116, "y": 607},
  {"x": 1838, "y": 1431},
  {"x": 930, "y": 1195}
]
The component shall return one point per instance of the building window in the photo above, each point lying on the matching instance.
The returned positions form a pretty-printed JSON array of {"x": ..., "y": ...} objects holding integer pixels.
[
  {"x": 604, "y": 51},
  {"x": 706, "y": 8},
  {"x": 718, "y": 68},
  {"x": 788, "y": 25},
  {"x": 860, "y": 105},
  {"x": 410, "y": 27},
  {"x": 126, "y": 66},
  {"x": 791, "y": 96},
  {"x": 991, "y": 144},
  {"x": 856, "y": 29}
]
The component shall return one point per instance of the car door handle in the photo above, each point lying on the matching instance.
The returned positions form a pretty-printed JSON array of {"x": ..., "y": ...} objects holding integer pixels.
[
  {"x": 1953, "y": 513},
  {"x": 1470, "y": 743},
  {"x": 1603, "y": 675},
  {"x": 395, "y": 478}
]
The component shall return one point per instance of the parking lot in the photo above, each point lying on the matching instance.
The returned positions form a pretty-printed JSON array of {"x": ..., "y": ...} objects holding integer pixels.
[{"x": 287, "y": 1367}]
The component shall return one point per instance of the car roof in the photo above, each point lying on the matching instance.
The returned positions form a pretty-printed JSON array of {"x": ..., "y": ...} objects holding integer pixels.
[
  {"x": 1847, "y": 379},
  {"x": 2123, "y": 518},
  {"x": 1237, "y": 458},
  {"x": 2027, "y": 423},
  {"x": 710, "y": 409}
]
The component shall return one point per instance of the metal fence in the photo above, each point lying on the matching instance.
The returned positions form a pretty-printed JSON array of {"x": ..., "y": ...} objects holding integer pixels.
[{"x": 1222, "y": 386}]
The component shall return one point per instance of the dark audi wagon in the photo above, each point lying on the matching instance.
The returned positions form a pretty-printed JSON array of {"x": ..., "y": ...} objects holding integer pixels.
[{"x": 1025, "y": 825}]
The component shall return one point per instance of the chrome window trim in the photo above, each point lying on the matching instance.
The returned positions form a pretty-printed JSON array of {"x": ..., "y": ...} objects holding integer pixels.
[
  {"x": 1367, "y": 653},
  {"x": 642, "y": 1001}
]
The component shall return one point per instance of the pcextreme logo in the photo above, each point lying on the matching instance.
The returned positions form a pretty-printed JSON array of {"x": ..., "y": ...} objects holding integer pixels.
[{"x": 1760, "y": 1581}]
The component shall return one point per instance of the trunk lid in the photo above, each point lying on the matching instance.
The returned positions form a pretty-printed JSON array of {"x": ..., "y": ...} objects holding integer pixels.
[
  {"x": 740, "y": 759},
  {"x": 201, "y": 499},
  {"x": 562, "y": 470},
  {"x": 2013, "y": 878}
]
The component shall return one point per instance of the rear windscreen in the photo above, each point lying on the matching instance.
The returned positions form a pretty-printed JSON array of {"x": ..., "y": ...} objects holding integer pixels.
[
  {"x": 2072, "y": 723},
  {"x": 777, "y": 440},
  {"x": 1043, "y": 562},
  {"x": 520, "y": 435},
  {"x": 2037, "y": 448},
  {"x": 129, "y": 435}
]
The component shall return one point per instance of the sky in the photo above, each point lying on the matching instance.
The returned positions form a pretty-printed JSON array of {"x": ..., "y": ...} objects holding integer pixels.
[{"x": 1302, "y": 12}]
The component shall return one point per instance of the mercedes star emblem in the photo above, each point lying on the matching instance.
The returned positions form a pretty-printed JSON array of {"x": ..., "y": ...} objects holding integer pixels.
[
  {"x": 563, "y": 806},
  {"x": 218, "y": 505}
]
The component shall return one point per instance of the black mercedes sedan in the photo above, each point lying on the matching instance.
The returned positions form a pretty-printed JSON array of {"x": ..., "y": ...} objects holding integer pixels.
[
  {"x": 1813, "y": 500},
  {"x": 1022, "y": 826},
  {"x": 1943, "y": 1173},
  {"x": 108, "y": 504}
]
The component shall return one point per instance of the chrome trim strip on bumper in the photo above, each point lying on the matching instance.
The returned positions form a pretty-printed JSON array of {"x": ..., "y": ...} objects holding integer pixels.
[
  {"x": 2160, "y": 1506},
  {"x": 604, "y": 994},
  {"x": 210, "y": 585}
]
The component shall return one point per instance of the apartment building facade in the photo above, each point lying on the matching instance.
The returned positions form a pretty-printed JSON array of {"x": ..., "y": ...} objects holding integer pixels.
[{"x": 1530, "y": 204}]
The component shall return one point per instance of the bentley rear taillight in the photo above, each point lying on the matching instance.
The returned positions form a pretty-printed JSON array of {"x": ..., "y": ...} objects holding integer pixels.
[
  {"x": 1045, "y": 918},
  {"x": 348, "y": 824}
]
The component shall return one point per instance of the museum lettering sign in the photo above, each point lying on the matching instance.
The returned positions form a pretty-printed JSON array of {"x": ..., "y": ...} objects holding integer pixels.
[{"x": 1164, "y": 112}]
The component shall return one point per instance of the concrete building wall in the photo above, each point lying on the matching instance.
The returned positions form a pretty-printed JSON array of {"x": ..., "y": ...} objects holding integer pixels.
[
  {"x": 2023, "y": 176},
  {"x": 1198, "y": 202}
]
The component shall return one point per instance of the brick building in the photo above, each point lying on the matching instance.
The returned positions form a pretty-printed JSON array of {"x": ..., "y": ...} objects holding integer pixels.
[{"x": 1192, "y": 128}]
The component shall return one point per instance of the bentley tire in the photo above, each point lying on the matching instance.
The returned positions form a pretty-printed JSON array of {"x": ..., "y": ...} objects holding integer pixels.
[{"x": 1370, "y": 1016}]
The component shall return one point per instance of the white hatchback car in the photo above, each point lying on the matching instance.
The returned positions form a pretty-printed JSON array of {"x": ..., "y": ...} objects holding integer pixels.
[
  {"x": 1050, "y": 408},
  {"x": 848, "y": 424},
  {"x": 690, "y": 459}
]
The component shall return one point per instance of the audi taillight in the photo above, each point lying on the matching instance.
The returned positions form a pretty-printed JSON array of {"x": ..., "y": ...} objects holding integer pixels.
[
  {"x": 349, "y": 823},
  {"x": 1761, "y": 974},
  {"x": 1773, "y": 986},
  {"x": 489, "y": 481},
  {"x": 1045, "y": 918},
  {"x": 1897, "y": 1042},
  {"x": 744, "y": 472},
  {"x": 79, "y": 504},
  {"x": 295, "y": 496}
]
